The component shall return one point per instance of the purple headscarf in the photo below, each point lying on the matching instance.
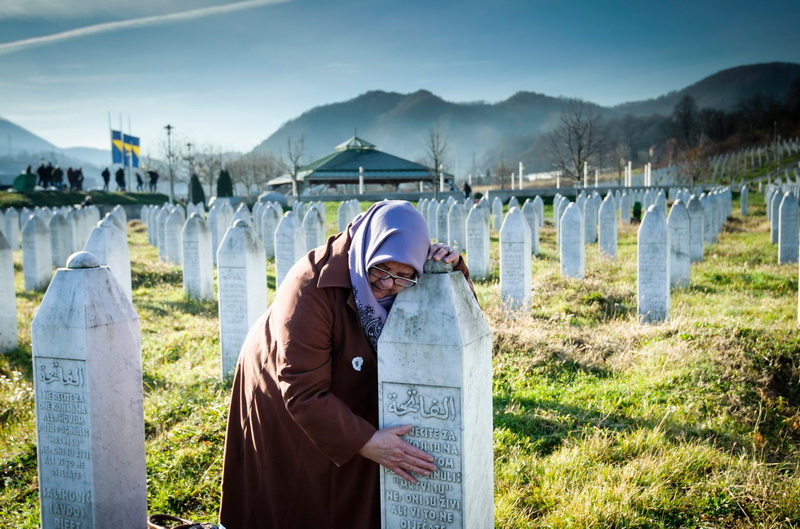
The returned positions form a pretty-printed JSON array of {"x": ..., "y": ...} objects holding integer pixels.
[{"x": 391, "y": 230}]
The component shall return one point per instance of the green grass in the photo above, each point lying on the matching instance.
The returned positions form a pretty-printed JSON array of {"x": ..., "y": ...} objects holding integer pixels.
[
  {"x": 598, "y": 421},
  {"x": 68, "y": 198}
]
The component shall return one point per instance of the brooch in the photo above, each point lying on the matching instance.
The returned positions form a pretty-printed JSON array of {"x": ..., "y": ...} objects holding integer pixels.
[{"x": 357, "y": 363}]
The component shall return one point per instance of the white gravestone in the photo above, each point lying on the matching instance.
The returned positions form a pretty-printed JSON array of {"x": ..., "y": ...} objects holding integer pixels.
[
  {"x": 218, "y": 225},
  {"x": 172, "y": 230},
  {"x": 242, "y": 289},
  {"x": 12, "y": 228},
  {"x": 110, "y": 247},
  {"x": 61, "y": 239},
  {"x": 696, "y": 229},
  {"x": 572, "y": 248},
  {"x": 313, "y": 228},
  {"x": 607, "y": 228},
  {"x": 161, "y": 226},
  {"x": 198, "y": 265},
  {"x": 37, "y": 257},
  {"x": 590, "y": 221},
  {"x": 290, "y": 244},
  {"x": 435, "y": 372},
  {"x": 743, "y": 201},
  {"x": 652, "y": 286},
  {"x": 538, "y": 203},
  {"x": 497, "y": 212},
  {"x": 442, "y": 209},
  {"x": 455, "y": 227},
  {"x": 87, "y": 368},
  {"x": 788, "y": 230},
  {"x": 8, "y": 299},
  {"x": 515, "y": 261},
  {"x": 270, "y": 217},
  {"x": 478, "y": 252},
  {"x": 530, "y": 214},
  {"x": 679, "y": 245}
]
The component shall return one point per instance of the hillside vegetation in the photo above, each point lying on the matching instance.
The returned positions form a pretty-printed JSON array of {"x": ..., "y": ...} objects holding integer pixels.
[{"x": 598, "y": 421}]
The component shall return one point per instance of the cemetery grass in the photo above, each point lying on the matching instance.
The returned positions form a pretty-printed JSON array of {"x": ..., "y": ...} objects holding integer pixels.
[{"x": 598, "y": 421}]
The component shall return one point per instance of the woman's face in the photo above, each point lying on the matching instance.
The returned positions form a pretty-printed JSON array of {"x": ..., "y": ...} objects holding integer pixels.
[{"x": 386, "y": 287}]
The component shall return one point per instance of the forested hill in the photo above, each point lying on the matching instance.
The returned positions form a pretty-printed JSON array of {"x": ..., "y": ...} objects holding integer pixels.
[{"x": 484, "y": 132}]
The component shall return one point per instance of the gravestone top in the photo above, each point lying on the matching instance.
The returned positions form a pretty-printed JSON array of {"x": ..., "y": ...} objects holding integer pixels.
[
  {"x": 437, "y": 267},
  {"x": 82, "y": 260},
  {"x": 240, "y": 223}
]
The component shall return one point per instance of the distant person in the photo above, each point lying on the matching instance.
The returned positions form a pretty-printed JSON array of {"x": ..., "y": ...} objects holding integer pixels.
[
  {"x": 58, "y": 177},
  {"x": 29, "y": 170},
  {"x": 79, "y": 179},
  {"x": 139, "y": 182},
  {"x": 119, "y": 176},
  {"x": 153, "y": 180},
  {"x": 467, "y": 190},
  {"x": 71, "y": 178},
  {"x": 106, "y": 174},
  {"x": 41, "y": 171}
]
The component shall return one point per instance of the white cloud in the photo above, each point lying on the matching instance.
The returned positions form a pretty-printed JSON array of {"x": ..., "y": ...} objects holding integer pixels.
[
  {"x": 107, "y": 27},
  {"x": 50, "y": 9}
]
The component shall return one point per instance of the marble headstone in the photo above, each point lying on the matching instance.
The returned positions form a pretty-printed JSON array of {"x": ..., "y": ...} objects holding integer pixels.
[
  {"x": 110, "y": 248},
  {"x": 87, "y": 369},
  {"x": 515, "y": 261},
  {"x": 242, "y": 289},
  {"x": 788, "y": 230},
  {"x": 696, "y": 229},
  {"x": 607, "y": 228},
  {"x": 8, "y": 299},
  {"x": 572, "y": 247},
  {"x": 37, "y": 256},
  {"x": 478, "y": 252},
  {"x": 679, "y": 225},
  {"x": 652, "y": 286},
  {"x": 435, "y": 373},
  {"x": 198, "y": 265}
]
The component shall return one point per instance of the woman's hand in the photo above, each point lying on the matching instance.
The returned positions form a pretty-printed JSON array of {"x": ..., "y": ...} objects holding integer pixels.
[
  {"x": 441, "y": 252},
  {"x": 388, "y": 449}
]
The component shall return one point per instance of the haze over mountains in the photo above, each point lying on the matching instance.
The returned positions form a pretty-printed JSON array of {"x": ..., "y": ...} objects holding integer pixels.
[{"x": 478, "y": 132}]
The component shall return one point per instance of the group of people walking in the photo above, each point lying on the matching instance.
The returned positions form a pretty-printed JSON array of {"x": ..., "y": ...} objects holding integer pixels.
[{"x": 119, "y": 178}]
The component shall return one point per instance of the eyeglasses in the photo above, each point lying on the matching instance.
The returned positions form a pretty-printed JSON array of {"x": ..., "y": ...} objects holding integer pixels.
[{"x": 380, "y": 273}]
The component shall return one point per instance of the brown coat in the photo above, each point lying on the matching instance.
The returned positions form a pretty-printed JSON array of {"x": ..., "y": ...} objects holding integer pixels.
[{"x": 300, "y": 410}]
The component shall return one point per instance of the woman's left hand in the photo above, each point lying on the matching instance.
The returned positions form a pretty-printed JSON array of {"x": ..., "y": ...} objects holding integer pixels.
[{"x": 442, "y": 252}]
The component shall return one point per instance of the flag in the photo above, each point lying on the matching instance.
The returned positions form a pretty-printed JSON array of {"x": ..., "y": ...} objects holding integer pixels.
[
  {"x": 131, "y": 144},
  {"x": 116, "y": 146}
]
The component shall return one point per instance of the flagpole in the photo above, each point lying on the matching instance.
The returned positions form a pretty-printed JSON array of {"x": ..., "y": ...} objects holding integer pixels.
[
  {"x": 111, "y": 135},
  {"x": 130, "y": 133},
  {"x": 124, "y": 154}
]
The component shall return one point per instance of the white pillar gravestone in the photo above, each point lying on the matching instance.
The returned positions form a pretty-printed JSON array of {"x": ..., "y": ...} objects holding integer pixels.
[
  {"x": 242, "y": 289},
  {"x": 515, "y": 261},
  {"x": 198, "y": 264},
  {"x": 435, "y": 372},
  {"x": 679, "y": 245},
  {"x": 571, "y": 235},
  {"x": 8, "y": 299},
  {"x": 89, "y": 404},
  {"x": 652, "y": 284},
  {"x": 110, "y": 247},
  {"x": 37, "y": 257},
  {"x": 478, "y": 252},
  {"x": 788, "y": 230}
]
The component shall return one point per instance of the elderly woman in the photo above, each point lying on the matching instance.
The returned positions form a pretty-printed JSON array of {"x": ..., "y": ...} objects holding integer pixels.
[{"x": 302, "y": 448}]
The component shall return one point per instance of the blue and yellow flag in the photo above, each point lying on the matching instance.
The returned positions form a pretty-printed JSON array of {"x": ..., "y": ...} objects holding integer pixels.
[
  {"x": 131, "y": 144},
  {"x": 116, "y": 146}
]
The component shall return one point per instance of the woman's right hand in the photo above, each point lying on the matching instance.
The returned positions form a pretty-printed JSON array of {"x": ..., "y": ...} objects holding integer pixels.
[{"x": 387, "y": 448}]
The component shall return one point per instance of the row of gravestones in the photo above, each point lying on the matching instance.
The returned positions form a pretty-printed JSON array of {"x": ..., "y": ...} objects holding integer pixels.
[
  {"x": 667, "y": 246},
  {"x": 240, "y": 256},
  {"x": 48, "y": 238},
  {"x": 90, "y": 406},
  {"x": 782, "y": 212}
]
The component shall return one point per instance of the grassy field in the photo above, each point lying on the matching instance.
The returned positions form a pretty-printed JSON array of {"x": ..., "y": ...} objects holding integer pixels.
[{"x": 598, "y": 421}]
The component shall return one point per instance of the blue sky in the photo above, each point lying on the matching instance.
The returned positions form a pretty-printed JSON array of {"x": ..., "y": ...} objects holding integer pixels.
[{"x": 228, "y": 73}]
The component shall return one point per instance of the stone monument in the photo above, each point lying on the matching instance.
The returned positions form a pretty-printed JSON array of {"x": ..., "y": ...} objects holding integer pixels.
[
  {"x": 8, "y": 299},
  {"x": 87, "y": 368},
  {"x": 652, "y": 286},
  {"x": 515, "y": 261},
  {"x": 435, "y": 373}
]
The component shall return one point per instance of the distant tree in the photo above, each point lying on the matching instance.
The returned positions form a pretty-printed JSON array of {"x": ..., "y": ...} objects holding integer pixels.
[
  {"x": 254, "y": 169},
  {"x": 224, "y": 184},
  {"x": 575, "y": 141},
  {"x": 196, "y": 193},
  {"x": 295, "y": 149},
  {"x": 207, "y": 162},
  {"x": 694, "y": 164},
  {"x": 436, "y": 146},
  {"x": 502, "y": 173},
  {"x": 684, "y": 121}
]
